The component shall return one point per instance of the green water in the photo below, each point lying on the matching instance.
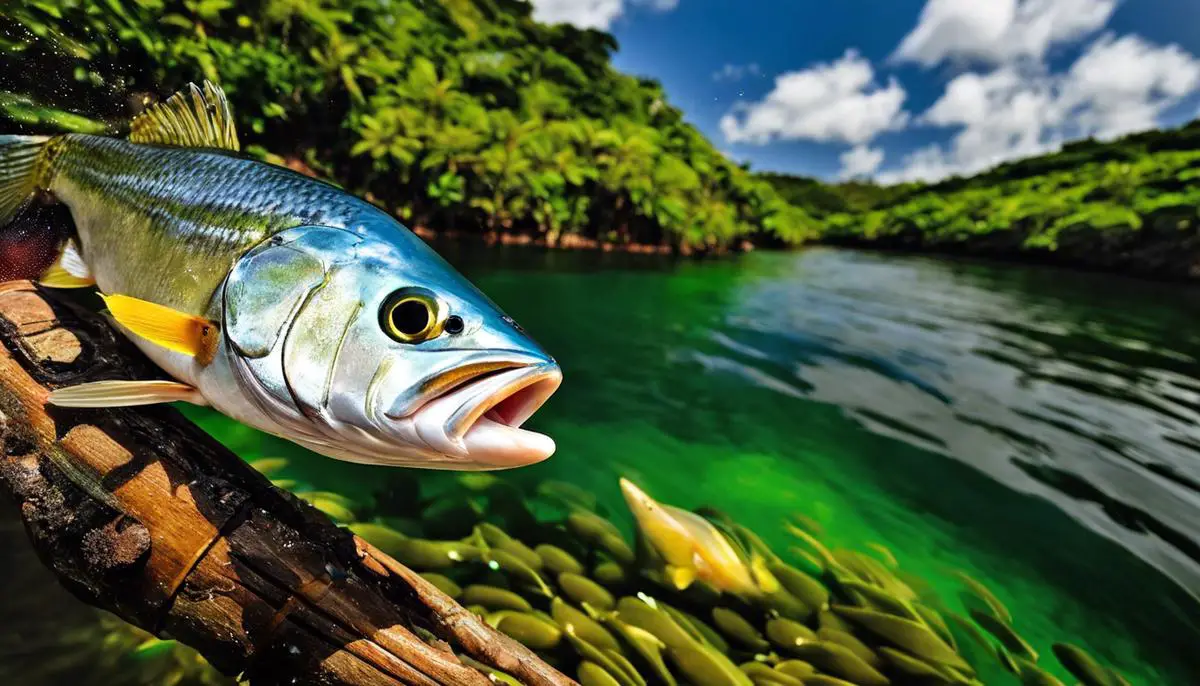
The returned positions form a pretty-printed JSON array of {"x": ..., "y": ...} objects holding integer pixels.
[{"x": 1036, "y": 428}]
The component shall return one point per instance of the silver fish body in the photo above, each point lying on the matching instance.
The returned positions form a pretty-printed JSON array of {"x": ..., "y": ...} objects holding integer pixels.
[{"x": 338, "y": 328}]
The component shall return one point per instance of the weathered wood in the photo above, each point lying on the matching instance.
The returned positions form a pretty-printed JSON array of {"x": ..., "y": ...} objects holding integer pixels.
[{"x": 141, "y": 513}]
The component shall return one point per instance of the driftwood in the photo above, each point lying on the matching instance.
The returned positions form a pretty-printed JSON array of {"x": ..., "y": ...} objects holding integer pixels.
[{"x": 139, "y": 512}]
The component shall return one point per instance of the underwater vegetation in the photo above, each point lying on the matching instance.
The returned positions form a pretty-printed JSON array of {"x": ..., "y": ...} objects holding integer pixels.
[
  {"x": 551, "y": 569},
  {"x": 463, "y": 115},
  {"x": 695, "y": 597}
]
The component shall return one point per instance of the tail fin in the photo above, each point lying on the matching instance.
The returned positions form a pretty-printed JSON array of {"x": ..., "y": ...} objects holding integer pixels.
[{"x": 20, "y": 166}]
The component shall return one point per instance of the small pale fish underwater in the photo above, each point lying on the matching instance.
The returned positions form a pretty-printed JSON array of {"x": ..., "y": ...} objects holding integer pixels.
[
  {"x": 279, "y": 300},
  {"x": 692, "y": 548}
]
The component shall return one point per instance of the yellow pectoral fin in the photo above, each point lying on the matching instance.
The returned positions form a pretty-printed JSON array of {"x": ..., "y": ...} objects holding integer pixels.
[
  {"x": 57, "y": 277},
  {"x": 681, "y": 577},
  {"x": 171, "y": 329},
  {"x": 68, "y": 271}
]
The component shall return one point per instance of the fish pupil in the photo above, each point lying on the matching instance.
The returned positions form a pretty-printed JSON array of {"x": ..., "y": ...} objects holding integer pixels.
[{"x": 411, "y": 317}]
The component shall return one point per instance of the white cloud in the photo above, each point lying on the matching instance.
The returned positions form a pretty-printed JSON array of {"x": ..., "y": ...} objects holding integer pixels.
[
  {"x": 999, "y": 31},
  {"x": 1115, "y": 87},
  {"x": 736, "y": 72},
  {"x": 860, "y": 161},
  {"x": 591, "y": 14},
  {"x": 1123, "y": 85},
  {"x": 836, "y": 101}
]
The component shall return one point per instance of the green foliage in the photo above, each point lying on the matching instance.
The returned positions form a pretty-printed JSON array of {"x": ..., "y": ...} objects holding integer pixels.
[
  {"x": 1097, "y": 195},
  {"x": 454, "y": 114}
]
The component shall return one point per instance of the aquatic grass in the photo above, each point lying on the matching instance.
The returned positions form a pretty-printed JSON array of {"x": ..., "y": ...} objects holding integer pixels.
[{"x": 709, "y": 637}]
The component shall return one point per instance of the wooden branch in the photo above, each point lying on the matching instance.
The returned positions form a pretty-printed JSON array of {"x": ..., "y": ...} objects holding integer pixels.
[{"x": 141, "y": 513}]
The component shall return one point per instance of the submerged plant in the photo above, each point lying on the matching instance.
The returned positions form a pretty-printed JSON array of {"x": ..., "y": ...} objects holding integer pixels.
[{"x": 545, "y": 567}]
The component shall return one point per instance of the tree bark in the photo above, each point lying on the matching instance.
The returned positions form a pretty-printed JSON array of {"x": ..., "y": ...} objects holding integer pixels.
[{"x": 139, "y": 512}]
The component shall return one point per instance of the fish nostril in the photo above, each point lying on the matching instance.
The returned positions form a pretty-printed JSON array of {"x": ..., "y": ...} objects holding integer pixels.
[
  {"x": 513, "y": 323},
  {"x": 454, "y": 325}
]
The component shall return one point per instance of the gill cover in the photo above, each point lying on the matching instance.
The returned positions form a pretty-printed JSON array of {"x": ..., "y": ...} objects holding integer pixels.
[{"x": 264, "y": 294}]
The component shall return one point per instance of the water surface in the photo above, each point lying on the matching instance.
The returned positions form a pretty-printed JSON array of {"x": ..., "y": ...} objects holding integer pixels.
[{"x": 1035, "y": 427}]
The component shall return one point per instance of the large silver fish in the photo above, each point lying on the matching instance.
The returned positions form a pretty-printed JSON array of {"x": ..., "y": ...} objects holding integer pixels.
[{"x": 279, "y": 300}]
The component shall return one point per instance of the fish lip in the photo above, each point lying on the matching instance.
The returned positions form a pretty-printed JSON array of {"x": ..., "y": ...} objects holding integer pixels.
[
  {"x": 478, "y": 420},
  {"x": 522, "y": 391}
]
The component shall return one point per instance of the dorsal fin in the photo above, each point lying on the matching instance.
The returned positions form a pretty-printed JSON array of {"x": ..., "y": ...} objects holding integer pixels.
[{"x": 189, "y": 119}]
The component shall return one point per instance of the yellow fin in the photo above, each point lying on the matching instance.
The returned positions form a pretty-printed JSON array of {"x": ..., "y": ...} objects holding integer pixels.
[
  {"x": 171, "y": 329},
  {"x": 68, "y": 271},
  {"x": 124, "y": 394},
  {"x": 57, "y": 277},
  {"x": 192, "y": 118},
  {"x": 681, "y": 577}
]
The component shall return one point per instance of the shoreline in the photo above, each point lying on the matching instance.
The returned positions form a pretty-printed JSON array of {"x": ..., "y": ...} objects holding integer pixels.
[
  {"x": 1163, "y": 263},
  {"x": 1124, "y": 264},
  {"x": 573, "y": 242}
]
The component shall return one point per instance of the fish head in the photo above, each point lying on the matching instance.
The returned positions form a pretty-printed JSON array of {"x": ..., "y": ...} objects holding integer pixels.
[
  {"x": 376, "y": 350},
  {"x": 686, "y": 541},
  {"x": 660, "y": 527}
]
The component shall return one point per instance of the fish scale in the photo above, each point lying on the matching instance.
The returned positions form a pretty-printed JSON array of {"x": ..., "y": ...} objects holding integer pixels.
[{"x": 215, "y": 204}]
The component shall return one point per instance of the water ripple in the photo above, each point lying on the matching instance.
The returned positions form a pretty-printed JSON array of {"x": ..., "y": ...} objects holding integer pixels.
[{"x": 1078, "y": 393}]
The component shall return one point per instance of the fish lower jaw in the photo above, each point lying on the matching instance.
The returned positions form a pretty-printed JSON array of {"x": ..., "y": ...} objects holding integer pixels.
[
  {"x": 495, "y": 445},
  {"x": 478, "y": 425}
]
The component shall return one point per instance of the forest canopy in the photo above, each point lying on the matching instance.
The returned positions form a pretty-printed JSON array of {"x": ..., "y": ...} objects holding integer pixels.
[
  {"x": 468, "y": 116},
  {"x": 1092, "y": 202},
  {"x": 463, "y": 115}
]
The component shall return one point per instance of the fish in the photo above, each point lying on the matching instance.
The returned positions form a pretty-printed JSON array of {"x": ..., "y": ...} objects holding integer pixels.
[
  {"x": 279, "y": 300},
  {"x": 692, "y": 548}
]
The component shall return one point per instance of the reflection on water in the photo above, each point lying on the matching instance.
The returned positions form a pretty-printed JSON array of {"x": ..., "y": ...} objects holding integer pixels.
[{"x": 1076, "y": 388}]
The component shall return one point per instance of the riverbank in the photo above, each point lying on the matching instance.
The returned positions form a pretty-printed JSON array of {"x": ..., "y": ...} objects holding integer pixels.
[
  {"x": 572, "y": 241},
  {"x": 1147, "y": 257},
  {"x": 1127, "y": 206},
  {"x": 1161, "y": 253}
]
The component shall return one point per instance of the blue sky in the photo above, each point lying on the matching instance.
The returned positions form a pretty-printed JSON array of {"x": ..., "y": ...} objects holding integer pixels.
[{"x": 901, "y": 89}]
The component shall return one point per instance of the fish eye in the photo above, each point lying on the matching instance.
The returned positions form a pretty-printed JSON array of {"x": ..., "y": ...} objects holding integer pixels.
[{"x": 411, "y": 315}]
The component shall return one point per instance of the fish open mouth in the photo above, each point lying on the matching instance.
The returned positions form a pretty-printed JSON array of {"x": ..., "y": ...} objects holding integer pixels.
[{"x": 479, "y": 420}]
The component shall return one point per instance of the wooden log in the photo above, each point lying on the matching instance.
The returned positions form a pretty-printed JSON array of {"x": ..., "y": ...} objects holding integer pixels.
[{"x": 139, "y": 512}]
